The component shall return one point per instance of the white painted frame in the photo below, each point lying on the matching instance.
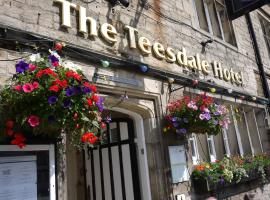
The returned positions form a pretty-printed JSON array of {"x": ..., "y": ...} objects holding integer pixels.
[
  {"x": 238, "y": 136},
  {"x": 142, "y": 157},
  {"x": 257, "y": 128},
  {"x": 213, "y": 156},
  {"x": 196, "y": 158},
  {"x": 226, "y": 142},
  {"x": 248, "y": 132},
  {"x": 42, "y": 147}
]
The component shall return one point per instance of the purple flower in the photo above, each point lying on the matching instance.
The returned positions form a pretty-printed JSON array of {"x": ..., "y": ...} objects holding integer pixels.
[
  {"x": 67, "y": 103},
  {"x": 108, "y": 119},
  {"x": 174, "y": 119},
  {"x": 51, "y": 118},
  {"x": 52, "y": 99},
  {"x": 53, "y": 58},
  {"x": 215, "y": 122},
  {"x": 207, "y": 116},
  {"x": 100, "y": 104},
  {"x": 70, "y": 92},
  {"x": 21, "y": 66},
  {"x": 181, "y": 131},
  {"x": 87, "y": 90},
  {"x": 175, "y": 124},
  {"x": 185, "y": 120},
  {"x": 217, "y": 113},
  {"x": 221, "y": 181},
  {"x": 77, "y": 90}
]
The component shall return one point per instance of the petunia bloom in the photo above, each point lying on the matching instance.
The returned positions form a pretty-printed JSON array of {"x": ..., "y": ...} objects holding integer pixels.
[
  {"x": 21, "y": 66},
  {"x": 52, "y": 99},
  {"x": 28, "y": 87},
  {"x": 35, "y": 85},
  {"x": 17, "y": 88},
  {"x": 33, "y": 120}
]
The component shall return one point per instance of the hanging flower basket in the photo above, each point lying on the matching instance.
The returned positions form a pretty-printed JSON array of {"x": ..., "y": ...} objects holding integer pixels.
[
  {"x": 198, "y": 115},
  {"x": 46, "y": 97}
]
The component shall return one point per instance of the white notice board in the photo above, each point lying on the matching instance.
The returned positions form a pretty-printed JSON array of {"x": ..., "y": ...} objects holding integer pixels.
[
  {"x": 18, "y": 178},
  {"x": 178, "y": 163}
]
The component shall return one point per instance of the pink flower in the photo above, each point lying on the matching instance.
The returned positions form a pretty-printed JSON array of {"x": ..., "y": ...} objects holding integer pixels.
[
  {"x": 18, "y": 88},
  {"x": 32, "y": 67},
  {"x": 33, "y": 120},
  {"x": 28, "y": 87},
  {"x": 35, "y": 84}
]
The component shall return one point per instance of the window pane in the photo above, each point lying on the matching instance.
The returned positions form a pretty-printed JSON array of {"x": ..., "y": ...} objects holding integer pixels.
[
  {"x": 213, "y": 18},
  {"x": 226, "y": 24},
  {"x": 201, "y": 15},
  {"x": 266, "y": 31}
]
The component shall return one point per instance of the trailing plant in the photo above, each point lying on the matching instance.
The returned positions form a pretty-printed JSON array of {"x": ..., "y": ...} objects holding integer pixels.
[
  {"x": 48, "y": 96},
  {"x": 199, "y": 115}
]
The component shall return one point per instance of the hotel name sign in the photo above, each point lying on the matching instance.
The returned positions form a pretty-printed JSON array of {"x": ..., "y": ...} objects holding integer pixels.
[{"x": 88, "y": 25}]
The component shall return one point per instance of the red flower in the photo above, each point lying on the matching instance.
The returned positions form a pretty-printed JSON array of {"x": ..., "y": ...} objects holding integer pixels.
[
  {"x": 28, "y": 87},
  {"x": 78, "y": 77},
  {"x": 55, "y": 64},
  {"x": 39, "y": 74},
  {"x": 9, "y": 132},
  {"x": 89, "y": 137},
  {"x": 18, "y": 88},
  {"x": 95, "y": 98},
  {"x": 9, "y": 124},
  {"x": 89, "y": 102},
  {"x": 70, "y": 73},
  {"x": 54, "y": 88},
  {"x": 32, "y": 67},
  {"x": 33, "y": 120},
  {"x": 35, "y": 85},
  {"x": 77, "y": 126},
  {"x": 103, "y": 125},
  {"x": 63, "y": 83},
  {"x": 86, "y": 84},
  {"x": 18, "y": 140},
  {"x": 75, "y": 116},
  {"x": 93, "y": 88}
]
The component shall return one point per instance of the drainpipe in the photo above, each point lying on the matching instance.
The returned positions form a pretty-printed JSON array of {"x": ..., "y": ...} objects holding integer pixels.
[{"x": 258, "y": 57}]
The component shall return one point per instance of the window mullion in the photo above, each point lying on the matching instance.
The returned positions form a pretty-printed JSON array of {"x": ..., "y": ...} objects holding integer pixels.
[
  {"x": 226, "y": 142},
  {"x": 257, "y": 128},
  {"x": 248, "y": 132}
]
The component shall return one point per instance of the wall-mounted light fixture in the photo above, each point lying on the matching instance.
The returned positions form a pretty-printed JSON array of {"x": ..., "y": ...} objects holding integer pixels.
[{"x": 205, "y": 43}]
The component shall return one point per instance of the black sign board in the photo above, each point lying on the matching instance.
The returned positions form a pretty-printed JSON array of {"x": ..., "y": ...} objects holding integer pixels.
[{"x": 237, "y": 8}]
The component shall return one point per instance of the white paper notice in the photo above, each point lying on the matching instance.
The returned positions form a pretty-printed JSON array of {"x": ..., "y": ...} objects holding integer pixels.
[{"x": 18, "y": 178}]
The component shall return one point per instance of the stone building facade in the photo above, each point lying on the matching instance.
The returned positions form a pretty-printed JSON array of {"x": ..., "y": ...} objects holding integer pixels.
[{"x": 176, "y": 24}]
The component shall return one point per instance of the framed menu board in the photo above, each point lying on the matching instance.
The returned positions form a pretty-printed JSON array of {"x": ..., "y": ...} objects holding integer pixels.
[
  {"x": 28, "y": 173},
  {"x": 18, "y": 178}
]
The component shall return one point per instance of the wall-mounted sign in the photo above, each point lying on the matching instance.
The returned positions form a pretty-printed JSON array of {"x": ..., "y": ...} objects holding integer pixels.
[
  {"x": 88, "y": 25},
  {"x": 237, "y": 8}
]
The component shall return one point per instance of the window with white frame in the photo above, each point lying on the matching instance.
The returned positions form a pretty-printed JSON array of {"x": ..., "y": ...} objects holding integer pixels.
[
  {"x": 194, "y": 149},
  {"x": 211, "y": 148},
  {"x": 265, "y": 24},
  {"x": 212, "y": 17},
  {"x": 28, "y": 173}
]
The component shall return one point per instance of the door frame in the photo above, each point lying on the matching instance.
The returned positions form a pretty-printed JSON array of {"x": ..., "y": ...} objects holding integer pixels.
[
  {"x": 51, "y": 149},
  {"x": 141, "y": 154}
]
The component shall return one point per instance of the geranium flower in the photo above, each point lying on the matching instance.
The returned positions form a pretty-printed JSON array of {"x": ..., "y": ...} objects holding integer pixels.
[
  {"x": 52, "y": 99},
  {"x": 9, "y": 132},
  {"x": 10, "y": 124},
  {"x": 33, "y": 120},
  {"x": 89, "y": 137},
  {"x": 17, "y": 88},
  {"x": 28, "y": 87},
  {"x": 95, "y": 98},
  {"x": 200, "y": 167},
  {"x": 19, "y": 140},
  {"x": 54, "y": 88},
  {"x": 90, "y": 102},
  {"x": 21, "y": 66}
]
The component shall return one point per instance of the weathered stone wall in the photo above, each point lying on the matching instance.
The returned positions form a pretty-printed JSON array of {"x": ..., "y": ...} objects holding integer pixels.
[
  {"x": 170, "y": 23},
  {"x": 175, "y": 27}
]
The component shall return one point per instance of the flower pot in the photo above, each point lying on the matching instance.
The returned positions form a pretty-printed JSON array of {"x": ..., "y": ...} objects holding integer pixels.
[{"x": 202, "y": 185}]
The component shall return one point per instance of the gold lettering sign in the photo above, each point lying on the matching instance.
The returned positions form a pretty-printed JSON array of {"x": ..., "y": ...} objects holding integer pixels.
[{"x": 146, "y": 47}]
